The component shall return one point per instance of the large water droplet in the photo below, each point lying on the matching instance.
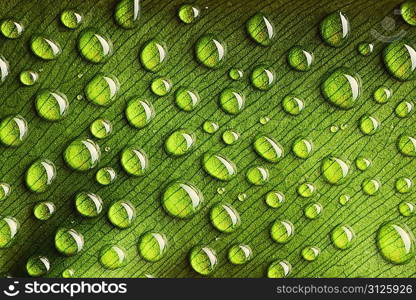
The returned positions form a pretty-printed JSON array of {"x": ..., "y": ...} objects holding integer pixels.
[
  {"x": 134, "y": 161},
  {"x": 88, "y": 204},
  {"x": 313, "y": 211},
  {"x": 396, "y": 243},
  {"x": 275, "y": 199},
  {"x": 302, "y": 148},
  {"x": 161, "y": 86},
  {"x": 152, "y": 246},
  {"x": 40, "y": 175},
  {"x": 9, "y": 227},
  {"x": 268, "y": 148},
  {"x": 334, "y": 169},
  {"x": 127, "y": 13},
  {"x": 408, "y": 12},
  {"x": 82, "y": 154},
  {"x": 230, "y": 137},
  {"x": 180, "y": 142},
  {"x": 11, "y": 29},
  {"x": 210, "y": 127},
  {"x": 342, "y": 236},
  {"x": 382, "y": 94},
  {"x": 219, "y": 166},
  {"x": 362, "y": 163},
  {"x": 69, "y": 241},
  {"x": 139, "y": 112},
  {"x": 335, "y": 29},
  {"x": 210, "y": 51},
  {"x": 407, "y": 209},
  {"x": 260, "y": 29},
  {"x": 369, "y": 125},
  {"x": 153, "y": 55},
  {"x": 102, "y": 89},
  {"x": 306, "y": 190},
  {"x": 404, "y": 185},
  {"x": 370, "y": 186},
  {"x": 45, "y": 48},
  {"x": 342, "y": 88},
  {"x": 404, "y": 109},
  {"x": 122, "y": 214},
  {"x": 400, "y": 60},
  {"x": 51, "y": 105},
  {"x": 13, "y": 130},
  {"x": 225, "y": 218},
  {"x": 203, "y": 260},
  {"x": 94, "y": 46},
  {"x": 310, "y": 253}
]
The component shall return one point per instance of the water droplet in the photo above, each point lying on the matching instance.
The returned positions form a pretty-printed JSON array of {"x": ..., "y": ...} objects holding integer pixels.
[
  {"x": 279, "y": 269},
  {"x": 407, "y": 209},
  {"x": 404, "y": 185},
  {"x": 230, "y": 137},
  {"x": 396, "y": 243},
  {"x": 260, "y": 29},
  {"x": 127, "y": 13},
  {"x": 210, "y": 51},
  {"x": 300, "y": 59},
  {"x": 293, "y": 105},
  {"x": 404, "y": 109},
  {"x": 242, "y": 196},
  {"x": 240, "y": 254},
  {"x": 101, "y": 128},
  {"x": 88, "y": 204},
  {"x": 302, "y": 148},
  {"x": 106, "y": 176},
  {"x": 40, "y": 175},
  {"x": 275, "y": 199},
  {"x": 263, "y": 77},
  {"x": 180, "y": 142},
  {"x": 134, "y": 161},
  {"x": 82, "y": 154},
  {"x": 306, "y": 190},
  {"x": 342, "y": 236},
  {"x": 369, "y": 125},
  {"x": 236, "y": 74},
  {"x": 122, "y": 214},
  {"x": 365, "y": 49},
  {"x": 335, "y": 29},
  {"x": 362, "y": 163},
  {"x": 406, "y": 145},
  {"x": 188, "y": 13},
  {"x": 69, "y": 241},
  {"x": 4, "y": 68},
  {"x": 5, "y": 190},
  {"x": 68, "y": 273},
  {"x": 219, "y": 166},
  {"x": 139, "y": 112},
  {"x": 382, "y": 94},
  {"x": 11, "y": 29},
  {"x": 94, "y": 46},
  {"x": 264, "y": 120},
  {"x": 221, "y": 190},
  {"x": 37, "y": 266},
  {"x": 102, "y": 89},
  {"x": 51, "y": 105},
  {"x": 225, "y": 218},
  {"x": 186, "y": 99},
  {"x": 9, "y": 227},
  {"x": 344, "y": 199},
  {"x": 408, "y": 12},
  {"x": 71, "y": 19},
  {"x": 268, "y": 148},
  {"x": 313, "y": 211},
  {"x": 282, "y": 231},
  {"x": 182, "y": 200},
  {"x": 45, "y": 48},
  {"x": 232, "y": 101},
  {"x": 203, "y": 260},
  {"x": 334, "y": 128},
  {"x": 161, "y": 86},
  {"x": 28, "y": 77},
  {"x": 310, "y": 253},
  {"x": 258, "y": 175},
  {"x": 153, "y": 56},
  {"x": 334, "y": 170},
  {"x": 371, "y": 186},
  {"x": 152, "y": 246},
  {"x": 342, "y": 88},
  {"x": 113, "y": 257},
  {"x": 210, "y": 127},
  {"x": 400, "y": 60},
  {"x": 13, "y": 130}
]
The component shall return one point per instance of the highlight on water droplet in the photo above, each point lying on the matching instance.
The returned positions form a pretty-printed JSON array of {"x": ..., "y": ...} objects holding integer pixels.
[
  {"x": 260, "y": 29},
  {"x": 102, "y": 89},
  {"x": 268, "y": 148},
  {"x": 188, "y": 13},
  {"x": 370, "y": 186},
  {"x": 152, "y": 246},
  {"x": 122, "y": 214},
  {"x": 113, "y": 257},
  {"x": 40, "y": 175},
  {"x": 71, "y": 19},
  {"x": 313, "y": 211},
  {"x": 405, "y": 143},
  {"x": 396, "y": 243},
  {"x": 180, "y": 142},
  {"x": 5, "y": 190},
  {"x": 335, "y": 29},
  {"x": 37, "y": 266},
  {"x": 262, "y": 77},
  {"x": 105, "y": 176},
  {"x": 232, "y": 101},
  {"x": 161, "y": 86},
  {"x": 182, "y": 199},
  {"x": 44, "y": 47},
  {"x": 203, "y": 259},
  {"x": 88, "y": 204},
  {"x": 302, "y": 148},
  {"x": 275, "y": 199},
  {"x": 11, "y": 29},
  {"x": 400, "y": 60},
  {"x": 153, "y": 56},
  {"x": 4, "y": 68},
  {"x": 282, "y": 231},
  {"x": 13, "y": 130},
  {"x": 219, "y": 166},
  {"x": 210, "y": 51},
  {"x": 28, "y": 77},
  {"x": 9, "y": 226},
  {"x": 82, "y": 154},
  {"x": 279, "y": 269},
  {"x": 240, "y": 254},
  {"x": 127, "y": 13},
  {"x": 51, "y": 105},
  {"x": 139, "y": 112},
  {"x": 186, "y": 99},
  {"x": 258, "y": 175},
  {"x": 334, "y": 170},
  {"x": 225, "y": 218},
  {"x": 94, "y": 46},
  {"x": 342, "y": 236},
  {"x": 300, "y": 59},
  {"x": 68, "y": 241},
  {"x": 134, "y": 161}
]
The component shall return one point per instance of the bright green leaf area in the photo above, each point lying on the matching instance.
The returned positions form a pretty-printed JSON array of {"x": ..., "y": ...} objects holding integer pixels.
[{"x": 296, "y": 23}]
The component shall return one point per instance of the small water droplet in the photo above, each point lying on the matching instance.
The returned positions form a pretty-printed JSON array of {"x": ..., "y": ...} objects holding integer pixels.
[
  {"x": 342, "y": 236},
  {"x": 302, "y": 148},
  {"x": 282, "y": 231},
  {"x": 9, "y": 227},
  {"x": 279, "y": 269},
  {"x": 293, "y": 105},
  {"x": 369, "y": 125},
  {"x": 236, "y": 74},
  {"x": 365, "y": 49},
  {"x": 334, "y": 170},
  {"x": 313, "y": 211},
  {"x": 13, "y": 130},
  {"x": 122, "y": 214},
  {"x": 344, "y": 199},
  {"x": 260, "y": 29},
  {"x": 258, "y": 175},
  {"x": 263, "y": 77},
  {"x": 203, "y": 260},
  {"x": 306, "y": 190},
  {"x": 40, "y": 175},
  {"x": 69, "y": 241},
  {"x": 242, "y": 196},
  {"x": 68, "y": 273},
  {"x": 232, "y": 101},
  {"x": 405, "y": 143},
  {"x": 268, "y": 148},
  {"x": 134, "y": 161},
  {"x": 102, "y": 89},
  {"x": 37, "y": 266},
  {"x": 210, "y": 127},
  {"x": 221, "y": 190},
  {"x": 310, "y": 253},
  {"x": 180, "y": 142},
  {"x": 225, "y": 218},
  {"x": 161, "y": 86},
  {"x": 407, "y": 209},
  {"x": 240, "y": 254},
  {"x": 186, "y": 99},
  {"x": 88, "y": 204},
  {"x": 71, "y": 19},
  {"x": 188, "y": 13},
  {"x": 404, "y": 185},
  {"x": 230, "y": 137},
  {"x": 101, "y": 128},
  {"x": 264, "y": 120},
  {"x": 106, "y": 176},
  {"x": 113, "y": 257},
  {"x": 300, "y": 59},
  {"x": 370, "y": 186},
  {"x": 334, "y": 128},
  {"x": 335, "y": 29},
  {"x": 152, "y": 246},
  {"x": 94, "y": 46},
  {"x": 219, "y": 166},
  {"x": 404, "y": 109},
  {"x": 362, "y": 163},
  {"x": 153, "y": 55},
  {"x": 382, "y": 94},
  {"x": 82, "y": 154},
  {"x": 275, "y": 199},
  {"x": 139, "y": 112},
  {"x": 28, "y": 77},
  {"x": 127, "y": 13},
  {"x": 5, "y": 191}
]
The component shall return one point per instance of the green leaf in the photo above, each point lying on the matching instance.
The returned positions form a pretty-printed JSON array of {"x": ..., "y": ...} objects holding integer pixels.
[{"x": 295, "y": 23}]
